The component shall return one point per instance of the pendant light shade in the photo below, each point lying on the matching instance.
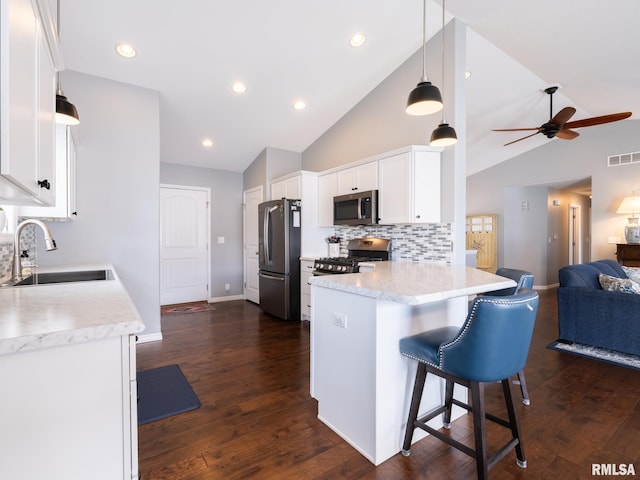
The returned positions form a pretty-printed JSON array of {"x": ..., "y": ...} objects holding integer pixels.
[
  {"x": 443, "y": 136},
  {"x": 66, "y": 113},
  {"x": 425, "y": 99}
]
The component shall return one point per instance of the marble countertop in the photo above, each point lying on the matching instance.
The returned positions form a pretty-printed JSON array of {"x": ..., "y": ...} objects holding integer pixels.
[
  {"x": 414, "y": 283},
  {"x": 43, "y": 316}
]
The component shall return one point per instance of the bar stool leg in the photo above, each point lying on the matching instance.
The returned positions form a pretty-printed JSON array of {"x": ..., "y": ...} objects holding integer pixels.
[
  {"x": 479, "y": 429},
  {"x": 448, "y": 401},
  {"x": 523, "y": 387},
  {"x": 513, "y": 421},
  {"x": 418, "y": 387}
]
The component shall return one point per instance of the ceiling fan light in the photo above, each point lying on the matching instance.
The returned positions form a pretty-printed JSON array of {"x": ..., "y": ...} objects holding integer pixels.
[
  {"x": 66, "y": 113},
  {"x": 425, "y": 99},
  {"x": 443, "y": 136}
]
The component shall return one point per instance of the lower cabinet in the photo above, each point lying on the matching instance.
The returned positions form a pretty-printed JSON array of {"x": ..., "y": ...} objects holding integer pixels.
[
  {"x": 70, "y": 412},
  {"x": 306, "y": 271}
]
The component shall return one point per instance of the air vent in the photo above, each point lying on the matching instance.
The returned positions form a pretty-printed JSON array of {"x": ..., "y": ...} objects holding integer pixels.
[{"x": 623, "y": 159}]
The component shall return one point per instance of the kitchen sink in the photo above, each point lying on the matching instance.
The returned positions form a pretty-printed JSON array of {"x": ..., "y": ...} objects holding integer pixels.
[{"x": 65, "y": 277}]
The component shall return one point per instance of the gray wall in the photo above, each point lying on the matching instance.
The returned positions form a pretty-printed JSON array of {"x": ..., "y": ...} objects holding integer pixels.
[
  {"x": 117, "y": 173},
  {"x": 559, "y": 160},
  {"x": 226, "y": 221},
  {"x": 271, "y": 163}
]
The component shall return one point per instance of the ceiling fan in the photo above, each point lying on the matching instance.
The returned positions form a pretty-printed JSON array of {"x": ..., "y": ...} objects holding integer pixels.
[{"x": 559, "y": 124}]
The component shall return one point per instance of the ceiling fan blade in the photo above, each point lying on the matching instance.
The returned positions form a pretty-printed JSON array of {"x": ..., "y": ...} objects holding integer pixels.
[
  {"x": 534, "y": 133},
  {"x": 514, "y": 129},
  {"x": 588, "y": 122},
  {"x": 567, "y": 134},
  {"x": 563, "y": 116}
]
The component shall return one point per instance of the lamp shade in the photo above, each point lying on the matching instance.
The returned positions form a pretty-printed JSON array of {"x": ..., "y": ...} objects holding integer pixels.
[
  {"x": 630, "y": 205},
  {"x": 66, "y": 112},
  {"x": 443, "y": 136},
  {"x": 425, "y": 99}
]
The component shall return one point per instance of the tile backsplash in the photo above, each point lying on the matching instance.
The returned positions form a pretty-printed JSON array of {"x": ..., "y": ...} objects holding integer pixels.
[
  {"x": 27, "y": 242},
  {"x": 415, "y": 242}
]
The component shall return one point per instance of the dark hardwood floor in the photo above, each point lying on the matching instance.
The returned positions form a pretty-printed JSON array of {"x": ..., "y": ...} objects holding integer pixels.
[{"x": 257, "y": 420}]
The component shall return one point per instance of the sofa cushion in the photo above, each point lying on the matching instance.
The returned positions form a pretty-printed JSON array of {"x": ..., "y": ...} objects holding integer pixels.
[
  {"x": 587, "y": 274},
  {"x": 615, "y": 284}
]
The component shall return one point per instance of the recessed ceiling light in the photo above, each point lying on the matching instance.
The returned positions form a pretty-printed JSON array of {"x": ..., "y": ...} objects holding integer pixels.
[
  {"x": 239, "y": 87},
  {"x": 357, "y": 39},
  {"x": 207, "y": 142},
  {"x": 125, "y": 50},
  {"x": 299, "y": 105}
]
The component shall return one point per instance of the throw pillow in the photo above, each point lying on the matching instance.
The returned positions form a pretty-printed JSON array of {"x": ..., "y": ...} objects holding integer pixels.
[
  {"x": 633, "y": 273},
  {"x": 614, "y": 284}
]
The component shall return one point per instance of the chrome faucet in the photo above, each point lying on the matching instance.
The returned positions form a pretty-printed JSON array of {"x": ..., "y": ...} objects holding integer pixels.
[{"x": 49, "y": 244}]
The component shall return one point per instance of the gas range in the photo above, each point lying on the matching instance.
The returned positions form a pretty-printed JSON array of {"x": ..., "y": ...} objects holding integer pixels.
[{"x": 360, "y": 250}]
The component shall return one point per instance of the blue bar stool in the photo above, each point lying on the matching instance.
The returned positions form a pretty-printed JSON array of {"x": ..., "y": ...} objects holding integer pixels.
[{"x": 491, "y": 346}]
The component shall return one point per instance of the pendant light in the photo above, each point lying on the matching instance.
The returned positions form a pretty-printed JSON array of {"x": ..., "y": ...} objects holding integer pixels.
[
  {"x": 444, "y": 135},
  {"x": 66, "y": 113},
  {"x": 425, "y": 99}
]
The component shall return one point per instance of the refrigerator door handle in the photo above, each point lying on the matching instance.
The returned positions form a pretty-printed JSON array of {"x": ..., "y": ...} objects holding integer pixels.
[
  {"x": 271, "y": 277},
  {"x": 265, "y": 233}
]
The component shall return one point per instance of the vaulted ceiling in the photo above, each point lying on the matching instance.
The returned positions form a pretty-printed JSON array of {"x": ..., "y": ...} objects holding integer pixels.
[{"x": 287, "y": 50}]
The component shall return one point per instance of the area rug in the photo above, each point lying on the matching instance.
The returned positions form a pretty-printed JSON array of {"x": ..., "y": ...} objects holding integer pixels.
[
  {"x": 183, "y": 308},
  {"x": 164, "y": 392},
  {"x": 602, "y": 354}
]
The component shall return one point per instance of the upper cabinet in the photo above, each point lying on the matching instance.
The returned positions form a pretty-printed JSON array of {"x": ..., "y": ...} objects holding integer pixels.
[
  {"x": 410, "y": 187},
  {"x": 29, "y": 59},
  {"x": 286, "y": 188},
  {"x": 65, "y": 201},
  {"x": 358, "y": 179}
]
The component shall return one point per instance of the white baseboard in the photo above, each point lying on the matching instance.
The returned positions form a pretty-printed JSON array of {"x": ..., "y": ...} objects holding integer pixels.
[
  {"x": 229, "y": 298},
  {"x": 546, "y": 287},
  {"x": 151, "y": 337}
]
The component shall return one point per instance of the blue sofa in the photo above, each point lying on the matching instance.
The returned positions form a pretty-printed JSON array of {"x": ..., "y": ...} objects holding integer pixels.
[{"x": 589, "y": 315}]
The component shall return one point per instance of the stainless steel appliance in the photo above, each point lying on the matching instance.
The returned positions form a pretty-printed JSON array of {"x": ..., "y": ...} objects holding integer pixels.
[
  {"x": 359, "y": 208},
  {"x": 279, "y": 258},
  {"x": 360, "y": 250}
]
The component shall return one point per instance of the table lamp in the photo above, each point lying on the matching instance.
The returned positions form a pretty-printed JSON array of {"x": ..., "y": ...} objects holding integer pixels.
[{"x": 632, "y": 229}]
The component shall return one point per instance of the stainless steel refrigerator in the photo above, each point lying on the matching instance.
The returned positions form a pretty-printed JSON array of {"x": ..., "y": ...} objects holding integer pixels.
[{"x": 279, "y": 258}]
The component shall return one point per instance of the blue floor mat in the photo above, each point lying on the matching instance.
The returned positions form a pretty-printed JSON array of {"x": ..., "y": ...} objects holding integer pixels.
[{"x": 163, "y": 392}]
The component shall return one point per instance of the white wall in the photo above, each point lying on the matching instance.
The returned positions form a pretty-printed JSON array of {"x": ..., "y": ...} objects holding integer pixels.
[
  {"x": 118, "y": 164},
  {"x": 226, "y": 221}
]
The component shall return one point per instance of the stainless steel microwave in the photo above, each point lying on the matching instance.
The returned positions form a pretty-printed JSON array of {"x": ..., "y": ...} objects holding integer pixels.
[{"x": 356, "y": 208}]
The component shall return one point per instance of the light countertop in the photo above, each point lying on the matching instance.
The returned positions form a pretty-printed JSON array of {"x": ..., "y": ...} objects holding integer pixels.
[
  {"x": 414, "y": 283},
  {"x": 42, "y": 316}
]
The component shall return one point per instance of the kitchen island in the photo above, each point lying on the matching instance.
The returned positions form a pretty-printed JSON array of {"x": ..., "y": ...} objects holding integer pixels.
[
  {"x": 68, "y": 378},
  {"x": 361, "y": 381}
]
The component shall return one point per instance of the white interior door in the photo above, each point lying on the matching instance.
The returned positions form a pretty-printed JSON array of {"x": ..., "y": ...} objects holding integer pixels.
[
  {"x": 184, "y": 244},
  {"x": 251, "y": 199}
]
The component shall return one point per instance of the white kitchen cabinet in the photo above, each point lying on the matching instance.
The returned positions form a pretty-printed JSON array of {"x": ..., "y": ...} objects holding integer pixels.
[
  {"x": 357, "y": 179},
  {"x": 73, "y": 408},
  {"x": 410, "y": 187},
  {"x": 312, "y": 237},
  {"x": 28, "y": 63},
  {"x": 327, "y": 189},
  {"x": 286, "y": 188},
  {"x": 65, "y": 202},
  {"x": 306, "y": 272}
]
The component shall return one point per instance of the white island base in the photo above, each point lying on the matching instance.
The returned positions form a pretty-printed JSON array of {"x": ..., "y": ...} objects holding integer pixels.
[{"x": 361, "y": 381}]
